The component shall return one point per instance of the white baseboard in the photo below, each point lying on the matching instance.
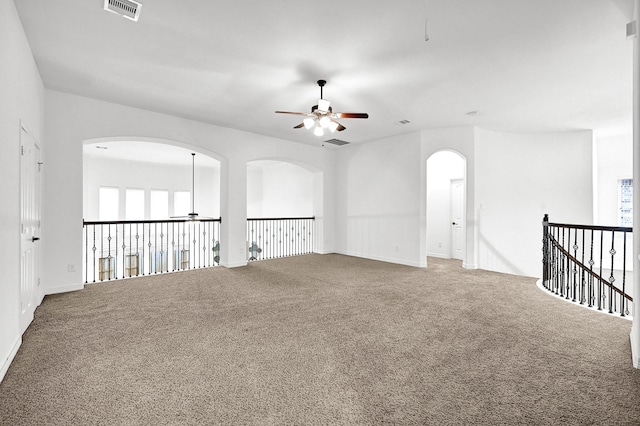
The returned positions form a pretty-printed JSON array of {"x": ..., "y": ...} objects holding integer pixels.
[
  {"x": 635, "y": 348},
  {"x": 63, "y": 289},
  {"x": 6, "y": 362},
  {"x": 469, "y": 266},
  {"x": 438, "y": 255},
  {"x": 324, "y": 252},
  {"x": 234, "y": 264},
  {"x": 381, "y": 259}
]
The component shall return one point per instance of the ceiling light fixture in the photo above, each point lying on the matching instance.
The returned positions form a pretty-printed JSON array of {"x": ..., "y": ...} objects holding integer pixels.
[{"x": 322, "y": 116}]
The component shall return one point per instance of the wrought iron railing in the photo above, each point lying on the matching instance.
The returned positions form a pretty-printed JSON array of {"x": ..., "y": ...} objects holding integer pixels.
[
  {"x": 589, "y": 265},
  {"x": 269, "y": 238},
  {"x": 122, "y": 249}
]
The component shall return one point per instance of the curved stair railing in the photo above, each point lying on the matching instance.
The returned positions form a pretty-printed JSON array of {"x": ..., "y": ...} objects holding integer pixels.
[{"x": 589, "y": 265}]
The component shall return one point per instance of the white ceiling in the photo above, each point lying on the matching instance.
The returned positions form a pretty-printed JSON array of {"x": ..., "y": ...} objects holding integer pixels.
[{"x": 523, "y": 65}]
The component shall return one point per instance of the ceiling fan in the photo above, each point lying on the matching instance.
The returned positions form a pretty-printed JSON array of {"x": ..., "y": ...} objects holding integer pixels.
[
  {"x": 193, "y": 215},
  {"x": 322, "y": 116}
]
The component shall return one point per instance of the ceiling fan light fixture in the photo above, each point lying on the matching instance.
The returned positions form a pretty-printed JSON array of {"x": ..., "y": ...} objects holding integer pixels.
[
  {"x": 308, "y": 122},
  {"x": 322, "y": 116},
  {"x": 323, "y": 105},
  {"x": 324, "y": 121}
]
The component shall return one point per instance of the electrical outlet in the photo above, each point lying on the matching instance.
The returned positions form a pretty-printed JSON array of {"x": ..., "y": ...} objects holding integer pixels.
[
  {"x": 440, "y": 244},
  {"x": 71, "y": 267}
]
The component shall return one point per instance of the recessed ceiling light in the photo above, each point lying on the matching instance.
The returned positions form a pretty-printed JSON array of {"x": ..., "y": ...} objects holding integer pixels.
[
  {"x": 472, "y": 113},
  {"x": 403, "y": 122}
]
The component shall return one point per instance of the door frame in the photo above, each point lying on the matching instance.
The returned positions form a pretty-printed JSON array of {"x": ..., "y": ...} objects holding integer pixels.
[
  {"x": 30, "y": 230},
  {"x": 461, "y": 201}
]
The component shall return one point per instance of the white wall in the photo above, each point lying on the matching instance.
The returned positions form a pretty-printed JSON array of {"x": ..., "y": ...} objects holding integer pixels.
[
  {"x": 136, "y": 174},
  {"x": 279, "y": 189},
  {"x": 378, "y": 203},
  {"x": 71, "y": 119},
  {"x": 21, "y": 98},
  {"x": 442, "y": 168},
  {"x": 615, "y": 161},
  {"x": 519, "y": 178}
]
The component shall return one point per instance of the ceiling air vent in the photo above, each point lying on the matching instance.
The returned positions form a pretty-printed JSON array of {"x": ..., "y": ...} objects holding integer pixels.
[
  {"x": 337, "y": 142},
  {"x": 125, "y": 8}
]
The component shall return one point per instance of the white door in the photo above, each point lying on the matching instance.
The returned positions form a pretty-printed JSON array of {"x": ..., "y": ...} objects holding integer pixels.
[
  {"x": 29, "y": 228},
  {"x": 457, "y": 219}
]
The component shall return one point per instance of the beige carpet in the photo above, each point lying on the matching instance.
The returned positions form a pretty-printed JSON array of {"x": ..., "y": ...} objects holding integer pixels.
[{"x": 321, "y": 340}]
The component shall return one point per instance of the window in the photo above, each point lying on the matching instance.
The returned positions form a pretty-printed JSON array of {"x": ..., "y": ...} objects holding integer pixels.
[
  {"x": 181, "y": 203},
  {"x": 625, "y": 197},
  {"x": 134, "y": 204},
  {"x": 159, "y": 204},
  {"x": 108, "y": 203}
]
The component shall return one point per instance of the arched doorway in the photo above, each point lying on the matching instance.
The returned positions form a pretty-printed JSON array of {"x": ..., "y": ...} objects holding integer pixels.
[
  {"x": 148, "y": 180},
  {"x": 446, "y": 205}
]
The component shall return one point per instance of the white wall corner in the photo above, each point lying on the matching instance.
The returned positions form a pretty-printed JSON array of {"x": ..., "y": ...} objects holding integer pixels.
[{"x": 6, "y": 361}]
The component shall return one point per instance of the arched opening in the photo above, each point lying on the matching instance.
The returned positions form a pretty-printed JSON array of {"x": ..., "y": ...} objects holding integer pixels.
[
  {"x": 143, "y": 180},
  {"x": 446, "y": 205},
  {"x": 284, "y": 209},
  {"x": 148, "y": 207}
]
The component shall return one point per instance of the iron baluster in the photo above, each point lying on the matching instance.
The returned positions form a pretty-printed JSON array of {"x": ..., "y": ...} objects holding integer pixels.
[
  {"x": 623, "y": 301},
  {"x": 612, "y": 279}
]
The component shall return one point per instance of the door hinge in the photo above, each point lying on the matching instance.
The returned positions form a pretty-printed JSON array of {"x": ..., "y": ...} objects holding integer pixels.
[
  {"x": 38, "y": 281},
  {"x": 21, "y": 149}
]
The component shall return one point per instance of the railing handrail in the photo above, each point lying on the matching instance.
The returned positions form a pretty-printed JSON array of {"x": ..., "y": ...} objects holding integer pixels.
[
  {"x": 133, "y": 222},
  {"x": 568, "y": 263},
  {"x": 282, "y": 218},
  {"x": 592, "y": 227}
]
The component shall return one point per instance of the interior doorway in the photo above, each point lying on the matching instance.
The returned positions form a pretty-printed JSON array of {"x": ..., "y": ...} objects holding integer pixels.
[
  {"x": 457, "y": 219},
  {"x": 446, "y": 205},
  {"x": 29, "y": 227}
]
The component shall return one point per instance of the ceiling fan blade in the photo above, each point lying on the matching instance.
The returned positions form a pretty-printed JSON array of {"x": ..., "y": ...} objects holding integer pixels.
[
  {"x": 340, "y": 127},
  {"x": 352, "y": 115},
  {"x": 299, "y": 126},
  {"x": 290, "y": 112}
]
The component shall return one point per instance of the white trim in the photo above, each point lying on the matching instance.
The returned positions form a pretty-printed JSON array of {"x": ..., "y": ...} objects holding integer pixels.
[
  {"x": 593, "y": 309},
  {"x": 470, "y": 266},
  {"x": 234, "y": 264},
  {"x": 64, "y": 289},
  {"x": 635, "y": 348},
  {"x": 382, "y": 259},
  {"x": 9, "y": 359},
  {"x": 438, "y": 255}
]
